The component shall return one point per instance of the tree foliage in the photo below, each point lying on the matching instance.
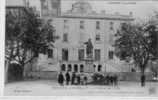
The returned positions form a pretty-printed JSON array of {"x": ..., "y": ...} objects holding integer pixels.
[
  {"x": 26, "y": 35},
  {"x": 136, "y": 42}
]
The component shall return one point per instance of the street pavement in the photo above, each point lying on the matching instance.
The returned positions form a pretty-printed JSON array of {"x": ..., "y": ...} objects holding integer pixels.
[{"x": 52, "y": 88}]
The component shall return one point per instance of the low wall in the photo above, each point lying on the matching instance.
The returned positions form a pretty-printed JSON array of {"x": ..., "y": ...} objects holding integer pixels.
[
  {"x": 42, "y": 75},
  {"x": 131, "y": 76},
  {"x": 122, "y": 76}
]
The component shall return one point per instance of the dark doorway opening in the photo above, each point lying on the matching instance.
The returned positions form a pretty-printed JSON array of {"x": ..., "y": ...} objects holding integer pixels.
[
  {"x": 75, "y": 68},
  {"x": 69, "y": 67},
  {"x": 63, "y": 67},
  {"x": 81, "y": 68},
  {"x": 99, "y": 68}
]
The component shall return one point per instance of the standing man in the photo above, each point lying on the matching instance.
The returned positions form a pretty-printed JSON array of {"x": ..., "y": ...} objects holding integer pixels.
[
  {"x": 111, "y": 79},
  {"x": 143, "y": 80},
  {"x": 82, "y": 79},
  {"x": 115, "y": 79},
  {"x": 78, "y": 80},
  {"x": 67, "y": 78},
  {"x": 60, "y": 78},
  {"x": 73, "y": 78},
  {"x": 107, "y": 79},
  {"x": 85, "y": 80}
]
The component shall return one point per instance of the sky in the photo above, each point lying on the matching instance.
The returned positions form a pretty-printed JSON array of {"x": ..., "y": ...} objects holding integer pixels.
[{"x": 142, "y": 9}]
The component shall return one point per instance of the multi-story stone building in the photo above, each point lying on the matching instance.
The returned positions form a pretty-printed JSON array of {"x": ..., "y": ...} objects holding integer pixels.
[{"x": 75, "y": 27}]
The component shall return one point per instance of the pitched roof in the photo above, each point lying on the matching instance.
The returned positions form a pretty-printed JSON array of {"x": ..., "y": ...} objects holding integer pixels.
[{"x": 83, "y": 9}]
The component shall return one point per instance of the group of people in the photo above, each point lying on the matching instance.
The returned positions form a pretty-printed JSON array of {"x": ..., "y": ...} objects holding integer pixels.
[
  {"x": 81, "y": 79},
  {"x": 73, "y": 79},
  {"x": 111, "y": 80}
]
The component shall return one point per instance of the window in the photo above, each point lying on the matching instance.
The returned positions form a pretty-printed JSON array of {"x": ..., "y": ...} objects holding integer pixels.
[
  {"x": 97, "y": 54},
  {"x": 50, "y": 36},
  {"x": 75, "y": 68},
  {"x": 97, "y": 25},
  {"x": 81, "y": 24},
  {"x": 44, "y": 50},
  {"x": 97, "y": 37},
  {"x": 81, "y": 54},
  {"x": 99, "y": 68},
  {"x": 65, "y": 54},
  {"x": 111, "y": 25},
  {"x": 65, "y": 23},
  {"x": 50, "y": 53},
  {"x": 111, "y": 39},
  {"x": 111, "y": 54},
  {"x": 36, "y": 54},
  {"x": 122, "y": 25},
  {"x": 63, "y": 67},
  {"x": 81, "y": 68},
  {"x": 65, "y": 37}
]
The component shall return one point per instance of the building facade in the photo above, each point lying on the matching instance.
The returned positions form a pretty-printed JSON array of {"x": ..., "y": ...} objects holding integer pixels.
[{"x": 75, "y": 28}]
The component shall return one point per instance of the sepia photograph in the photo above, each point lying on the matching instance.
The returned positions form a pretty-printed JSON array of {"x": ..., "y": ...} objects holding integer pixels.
[{"x": 81, "y": 47}]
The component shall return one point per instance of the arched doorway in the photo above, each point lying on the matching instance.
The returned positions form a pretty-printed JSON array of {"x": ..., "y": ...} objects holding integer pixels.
[
  {"x": 99, "y": 68},
  {"x": 75, "y": 68},
  {"x": 63, "y": 67},
  {"x": 69, "y": 67},
  {"x": 81, "y": 68}
]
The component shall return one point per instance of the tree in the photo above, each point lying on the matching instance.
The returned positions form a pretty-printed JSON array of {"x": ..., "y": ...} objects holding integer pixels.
[
  {"x": 152, "y": 26},
  {"x": 26, "y": 36},
  {"x": 136, "y": 42}
]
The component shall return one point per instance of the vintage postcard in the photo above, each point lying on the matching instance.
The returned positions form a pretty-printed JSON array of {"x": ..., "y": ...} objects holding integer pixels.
[{"x": 81, "y": 48}]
